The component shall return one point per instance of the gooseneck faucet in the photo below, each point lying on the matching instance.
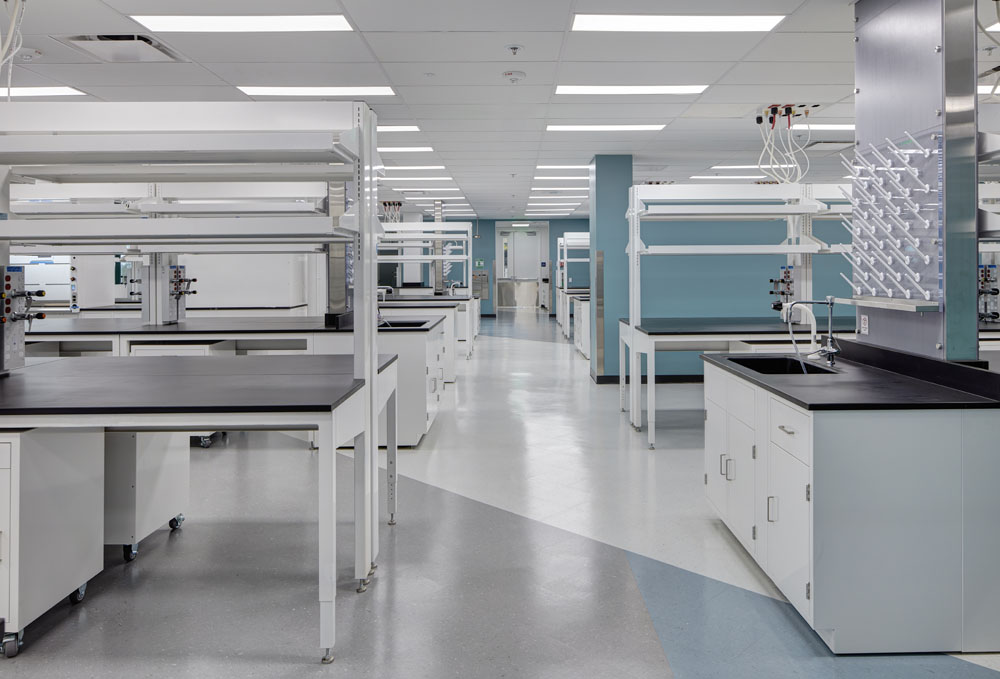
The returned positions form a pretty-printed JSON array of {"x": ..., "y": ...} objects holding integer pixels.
[{"x": 829, "y": 352}]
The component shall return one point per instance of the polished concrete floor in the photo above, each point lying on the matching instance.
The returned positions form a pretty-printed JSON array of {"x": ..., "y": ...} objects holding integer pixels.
[{"x": 537, "y": 537}]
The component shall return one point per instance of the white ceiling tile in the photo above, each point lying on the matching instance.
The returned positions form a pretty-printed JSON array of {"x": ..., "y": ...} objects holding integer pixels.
[
  {"x": 837, "y": 111},
  {"x": 473, "y": 73},
  {"x": 774, "y": 94},
  {"x": 641, "y": 72},
  {"x": 285, "y": 74},
  {"x": 686, "y": 7},
  {"x": 720, "y": 111},
  {"x": 502, "y": 94},
  {"x": 157, "y": 93},
  {"x": 78, "y": 17},
  {"x": 805, "y": 47},
  {"x": 472, "y": 111},
  {"x": 270, "y": 47},
  {"x": 481, "y": 124},
  {"x": 624, "y": 111},
  {"x": 110, "y": 75},
  {"x": 464, "y": 46},
  {"x": 485, "y": 147},
  {"x": 481, "y": 136},
  {"x": 25, "y": 78},
  {"x": 459, "y": 15},
  {"x": 790, "y": 73},
  {"x": 264, "y": 7},
  {"x": 52, "y": 52},
  {"x": 821, "y": 16},
  {"x": 697, "y": 47}
]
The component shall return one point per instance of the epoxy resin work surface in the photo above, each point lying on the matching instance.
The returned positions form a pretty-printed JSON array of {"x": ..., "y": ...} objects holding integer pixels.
[
  {"x": 853, "y": 386},
  {"x": 189, "y": 384},
  {"x": 209, "y": 326}
]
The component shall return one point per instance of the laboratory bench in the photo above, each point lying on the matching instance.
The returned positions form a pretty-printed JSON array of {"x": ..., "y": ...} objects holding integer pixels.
[
  {"x": 865, "y": 491},
  {"x": 467, "y": 319},
  {"x": 564, "y": 310},
  {"x": 581, "y": 325},
  {"x": 419, "y": 341},
  {"x": 58, "y": 415},
  {"x": 693, "y": 334},
  {"x": 124, "y": 309},
  {"x": 448, "y": 309}
]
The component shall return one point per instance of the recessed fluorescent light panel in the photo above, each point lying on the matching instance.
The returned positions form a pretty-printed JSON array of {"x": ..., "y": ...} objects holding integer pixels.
[
  {"x": 604, "y": 128},
  {"x": 258, "y": 91},
  {"x": 563, "y": 178},
  {"x": 405, "y": 149},
  {"x": 401, "y": 168},
  {"x": 731, "y": 176},
  {"x": 563, "y": 167},
  {"x": 822, "y": 126},
  {"x": 397, "y": 128},
  {"x": 521, "y": 224},
  {"x": 297, "y": 23},
  {"x": 439, "y": 190},
  {"x": 556, "y": 197},
  {"x": 630, "y": 89},
  {"x": 987, "y": 89},
  {"x": 559, "y": 188},
  {"x": 667, "y": 23},
  {"x": 41, "y": 92},
  {"x": 554, "y": 204}
]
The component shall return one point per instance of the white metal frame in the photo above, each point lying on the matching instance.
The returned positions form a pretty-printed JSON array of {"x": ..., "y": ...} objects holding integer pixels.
[
  {"x": 571, "y": 240},
  {"x": 228, "y": 142},
  {"x": 425, "y": 235},
  {"x": 798, "y": 204}
]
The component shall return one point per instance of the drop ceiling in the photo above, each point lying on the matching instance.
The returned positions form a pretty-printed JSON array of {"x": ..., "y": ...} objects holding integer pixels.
[{"x": 445, "y": 59}]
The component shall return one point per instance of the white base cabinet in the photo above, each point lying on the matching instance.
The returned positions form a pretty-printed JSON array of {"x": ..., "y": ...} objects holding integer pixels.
[
  {"x": 878, "y": 526},
  {"x": 51, "y": 527}
]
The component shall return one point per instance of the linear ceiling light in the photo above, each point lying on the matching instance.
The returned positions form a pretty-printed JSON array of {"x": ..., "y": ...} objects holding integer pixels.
[
  {"x": 822, "y": 126},
  {"x": 994, "y": 28},
  {"x": 563, "y": 167},
  {"x": 521, "y": 224},
  {"x": 438, "y": 189},
  {"x": 748, "y": 167},
  {"x": 42, "y": 92},
  {"x": 433, "y": 197},
  {"x": 604, "y": 128},
  {"x": 397, "y": 128},
  {"x": 556, "y": 197},
  {"x": 987, "y": 89},
  {"x": 554, "y": 204},
  {"x": 559, "y": 188},
  {"x": 295, "y": 23},
  {"x": 563, "y": 178},
  {"x": 414, "y": 167},
  {"x": 731, "y": 176},
  {"x": 667, "y": 23},
  {"x": 267, "y": 91},
  {"x": 630, "y": 89},
  {"x": 405, "y": 149}
]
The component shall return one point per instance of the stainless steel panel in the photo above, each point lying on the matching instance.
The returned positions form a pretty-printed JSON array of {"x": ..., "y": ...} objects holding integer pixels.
[{"x": 597, "y": 286}]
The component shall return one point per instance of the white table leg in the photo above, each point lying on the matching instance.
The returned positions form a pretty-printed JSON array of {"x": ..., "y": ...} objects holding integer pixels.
[
  {"x": 635, "y": 382},
  {"x": 362, "y": 512},
  {"x": 622, "y": 348},
  {"x": 651, "y": 397},
  {"x": 373, "y": 507},
  {"x": 327, "y": 539},
  {"x": 392, "y": 449}
]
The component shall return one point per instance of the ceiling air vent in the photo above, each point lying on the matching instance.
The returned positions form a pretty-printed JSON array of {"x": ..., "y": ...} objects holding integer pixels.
[
  {"x": 123, "y": 49},
  {"x": 829, "y": 146}
]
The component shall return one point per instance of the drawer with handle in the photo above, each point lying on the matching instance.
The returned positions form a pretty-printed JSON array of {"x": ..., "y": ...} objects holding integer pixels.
[{"x": 791, "y": 429}]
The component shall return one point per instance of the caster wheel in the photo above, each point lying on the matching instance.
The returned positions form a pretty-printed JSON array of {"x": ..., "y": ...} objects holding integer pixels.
[
  {"x": 78, "y": 596},
  {"x": 206, "y": 442},
  {"x": 129, "y": 552},
  {"x": 176, "y": 522},
  {"x": 11, "y": 648}
]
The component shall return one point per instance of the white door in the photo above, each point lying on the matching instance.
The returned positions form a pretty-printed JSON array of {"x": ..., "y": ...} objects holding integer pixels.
[
  {"x": 788, "y": 528},
  {"x": 527, "y": 255},
  {"x": 5, "y": 500}
]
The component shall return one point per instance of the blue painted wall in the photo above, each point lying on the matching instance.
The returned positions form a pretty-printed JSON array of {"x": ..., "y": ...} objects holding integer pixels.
[
  {"x": 733, "y": 285},
  {"x": 484, "y": 248}
]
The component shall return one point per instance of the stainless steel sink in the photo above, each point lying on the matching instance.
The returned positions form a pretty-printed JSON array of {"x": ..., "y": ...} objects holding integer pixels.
[
  {"x": 781, "y": 365},
  {"x": 402, "y": 324}
]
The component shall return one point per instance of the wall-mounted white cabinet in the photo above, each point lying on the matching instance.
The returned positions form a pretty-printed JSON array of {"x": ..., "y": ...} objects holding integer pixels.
[{"x": 878, "y": 526}]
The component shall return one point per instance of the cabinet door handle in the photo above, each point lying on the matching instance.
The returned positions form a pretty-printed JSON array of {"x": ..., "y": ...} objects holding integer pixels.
[
  {"x": 772, "y": 515},
  {"x": 787, "y": 430},
  {"x": 722, "y": 464},
  {"x": 730, "y": 465}
]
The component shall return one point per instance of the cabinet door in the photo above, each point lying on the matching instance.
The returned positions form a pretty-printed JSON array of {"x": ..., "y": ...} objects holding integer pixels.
[
  {"x": 715, "y": 456},
  {"x": 5, "y": 500},
  {"x": 788, "y": 528},
  {"x": 740, "y": 475}
]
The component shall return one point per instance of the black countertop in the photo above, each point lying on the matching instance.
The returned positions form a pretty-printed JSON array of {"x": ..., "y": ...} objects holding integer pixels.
[
  {"x": 428, "y": 298},
  {"x": 869, "y": 378},
  {"x": 209, "y": 326},
  {"x": 420, "y": 304},
  {"x": 195, "y": 384},
  {"x": 731, "y": 326}
]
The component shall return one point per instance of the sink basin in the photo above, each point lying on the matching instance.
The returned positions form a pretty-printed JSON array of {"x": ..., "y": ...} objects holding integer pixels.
[
  {"x": 783, "y": 365},
  {"x": 402, "y": 324}
]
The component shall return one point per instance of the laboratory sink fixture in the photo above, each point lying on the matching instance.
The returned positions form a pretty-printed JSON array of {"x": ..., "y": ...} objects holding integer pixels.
[{"x": 781, "y": 365}]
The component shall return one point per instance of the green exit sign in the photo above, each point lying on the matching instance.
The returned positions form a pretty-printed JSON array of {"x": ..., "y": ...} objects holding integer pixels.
[{"x": 480, "y": 263}]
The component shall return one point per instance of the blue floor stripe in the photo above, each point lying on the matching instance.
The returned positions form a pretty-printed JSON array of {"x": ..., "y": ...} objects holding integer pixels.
[{"x": 718, "y": 631}]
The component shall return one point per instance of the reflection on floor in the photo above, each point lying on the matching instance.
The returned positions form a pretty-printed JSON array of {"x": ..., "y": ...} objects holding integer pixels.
[
  {"x": 537, "y": 537},
  {"x": 523, "y": 324}
]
